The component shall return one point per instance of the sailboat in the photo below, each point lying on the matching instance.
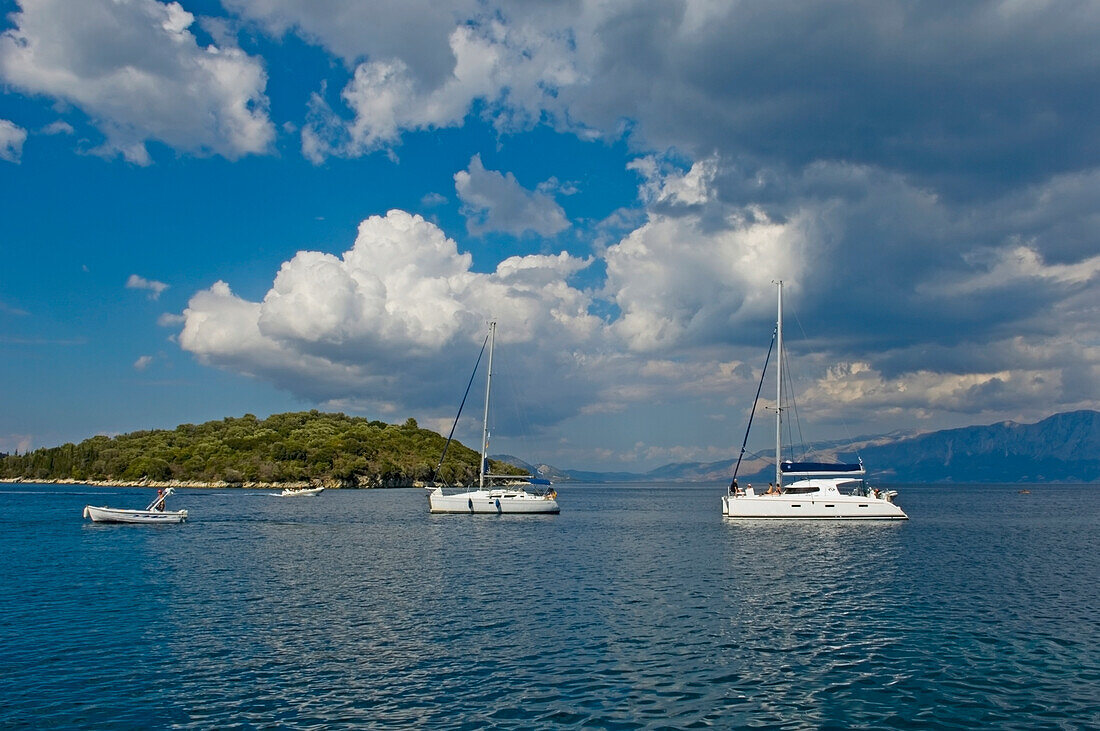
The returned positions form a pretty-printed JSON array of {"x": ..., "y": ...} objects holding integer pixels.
[
  {"x": 816, "y": 490},
  {"x": 509, "y": 494}
]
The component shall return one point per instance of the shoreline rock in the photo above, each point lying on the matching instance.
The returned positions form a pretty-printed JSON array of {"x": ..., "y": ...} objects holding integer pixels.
[
  {"x": 164, "y": 483},
  {"x": 199, "y": 484}
]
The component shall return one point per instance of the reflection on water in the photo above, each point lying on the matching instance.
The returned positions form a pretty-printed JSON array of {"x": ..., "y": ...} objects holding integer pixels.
[{"x": 637, "y": 607}]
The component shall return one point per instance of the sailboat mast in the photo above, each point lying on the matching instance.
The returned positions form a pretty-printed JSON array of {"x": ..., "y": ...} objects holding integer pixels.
[
  {"x": 485, "y": 419},
  {"x": 778, "y": 386}
]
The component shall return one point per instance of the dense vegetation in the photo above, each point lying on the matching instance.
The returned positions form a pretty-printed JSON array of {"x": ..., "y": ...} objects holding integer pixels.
[{"x": 295, "y": 447}]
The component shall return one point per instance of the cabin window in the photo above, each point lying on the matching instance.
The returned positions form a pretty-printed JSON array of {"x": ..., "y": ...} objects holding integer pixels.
[{"x": 801, "y": 490}]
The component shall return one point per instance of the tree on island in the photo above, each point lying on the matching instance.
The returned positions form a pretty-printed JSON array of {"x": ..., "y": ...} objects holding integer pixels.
[{"x": 329, "y": 448}]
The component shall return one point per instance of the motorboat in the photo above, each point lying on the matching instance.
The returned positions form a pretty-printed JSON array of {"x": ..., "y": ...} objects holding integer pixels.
[
  {"x": 301, "y": 491},
  {"x": 511, "y": 494},
  {"x": 806, "y": 490},
  {"x": 154, "y": 513}
]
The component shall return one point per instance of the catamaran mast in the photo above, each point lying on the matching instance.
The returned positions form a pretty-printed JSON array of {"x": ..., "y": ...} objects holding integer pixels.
[
  {"x": 485, "y": 420},
  {"x": 778, "y": 385}
]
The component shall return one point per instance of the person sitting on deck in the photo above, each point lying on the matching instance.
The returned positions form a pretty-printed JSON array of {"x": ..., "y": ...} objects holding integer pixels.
[{"x": 773, "y": 490}]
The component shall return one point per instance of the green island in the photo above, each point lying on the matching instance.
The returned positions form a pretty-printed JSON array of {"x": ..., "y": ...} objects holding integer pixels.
[{"x": 308, "y": 447}]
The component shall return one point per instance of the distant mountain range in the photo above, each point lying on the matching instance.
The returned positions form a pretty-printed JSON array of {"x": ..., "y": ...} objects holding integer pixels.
[{"x": 1061, "y": 448}]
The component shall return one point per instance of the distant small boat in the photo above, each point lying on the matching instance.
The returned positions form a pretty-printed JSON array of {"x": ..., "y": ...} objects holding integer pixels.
[
  {"x": 301, "y": 492},
  {"x": 155, "y": 513},
  {"x": 1025, "y": 492}
]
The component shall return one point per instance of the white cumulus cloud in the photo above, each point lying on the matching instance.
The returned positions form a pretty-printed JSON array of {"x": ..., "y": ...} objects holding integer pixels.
[
  {"x": 152, "y": 286},
  {"x": 138, "y": 72},
  {"x": 515, "y": 71},
  {"x": 678, "y": 281},
  {"x": 12, "y": 137},
  {"x": 493, "y": 201},
  {"x": 382, "y": 321}
]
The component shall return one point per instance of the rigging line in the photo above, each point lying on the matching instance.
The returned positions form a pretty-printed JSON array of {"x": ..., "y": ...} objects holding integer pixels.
[
  {"x": 756, "y": 455},
  {"x": 754, "y": 401},
  {"x": 848, "y": 431},
  {"x": 459, "y": 414},
  {"x": 794, "y": 409},
  {"x": 789, "y": 423},
  {"x": 522, "y": 425},
  {"x": 794, "y": 401},
  {"x": 840, "y": 414},
  {"x": 843, "y": 421}
]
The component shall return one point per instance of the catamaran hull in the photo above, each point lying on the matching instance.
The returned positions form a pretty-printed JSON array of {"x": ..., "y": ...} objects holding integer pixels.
[
  {"x": 120, "y": 515},
  {"x": 489, "y": 503},
  {"x": 783, "y": 507}
]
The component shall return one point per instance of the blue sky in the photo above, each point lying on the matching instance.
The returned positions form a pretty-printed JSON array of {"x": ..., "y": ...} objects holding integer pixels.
[{"x": 218, "y": 208}]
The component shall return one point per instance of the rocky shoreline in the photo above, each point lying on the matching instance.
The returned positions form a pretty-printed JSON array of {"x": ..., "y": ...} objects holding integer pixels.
[
  {"x": 327, "y": 484},
  {"x": 163, "y": 483}
]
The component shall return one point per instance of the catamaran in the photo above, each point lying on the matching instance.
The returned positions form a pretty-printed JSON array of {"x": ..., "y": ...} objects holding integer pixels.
[
  {"x": 509, "y": 494},
  {"x": 816, "y": 490}
]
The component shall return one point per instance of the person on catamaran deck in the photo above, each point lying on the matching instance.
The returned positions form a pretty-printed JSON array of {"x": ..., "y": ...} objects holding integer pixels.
[
  {"x": 734, "y": 490},
  {"x": 773, "y": 489}
]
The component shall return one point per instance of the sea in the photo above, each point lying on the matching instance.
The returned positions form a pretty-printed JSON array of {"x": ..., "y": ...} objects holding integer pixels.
[{"x": 638, "y": 607}]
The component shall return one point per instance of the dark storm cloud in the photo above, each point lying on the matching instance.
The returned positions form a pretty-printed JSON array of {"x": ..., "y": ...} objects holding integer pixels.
[{"x": 968, "y": 98}]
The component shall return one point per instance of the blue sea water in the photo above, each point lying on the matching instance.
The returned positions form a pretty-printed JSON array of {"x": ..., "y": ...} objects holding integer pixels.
[{"x": 637, "y": 607}]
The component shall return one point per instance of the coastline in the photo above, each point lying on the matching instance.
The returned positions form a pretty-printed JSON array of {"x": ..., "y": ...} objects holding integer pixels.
[
  {"x": 162, "y": 483},
  {"x": 327, "y": 484}
]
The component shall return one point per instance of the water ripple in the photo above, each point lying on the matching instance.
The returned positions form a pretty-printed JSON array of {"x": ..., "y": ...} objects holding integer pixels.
[{"x": 635, "y": 608}]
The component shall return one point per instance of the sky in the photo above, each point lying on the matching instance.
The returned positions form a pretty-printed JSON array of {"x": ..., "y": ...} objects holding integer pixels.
[{"x": 257, "y": 206}]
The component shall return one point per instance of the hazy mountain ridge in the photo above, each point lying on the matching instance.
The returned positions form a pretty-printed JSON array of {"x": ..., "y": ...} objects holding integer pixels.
[
  {"x": 352, "y": 451},
  {"x": 1061, "y": 448},
  {"x": 1064, "y": 447}
]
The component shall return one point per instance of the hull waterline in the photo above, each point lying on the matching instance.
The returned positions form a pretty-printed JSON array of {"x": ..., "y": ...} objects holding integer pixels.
[
  {"x": 781, "y": 507},
  {"x": 119, "y": 515},
  {"x": 493, "y": 502}
]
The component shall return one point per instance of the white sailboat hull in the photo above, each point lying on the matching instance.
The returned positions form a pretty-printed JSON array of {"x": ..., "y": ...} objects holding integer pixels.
[
  {"x": 825, "y": 505},
  {"x": 120, "y": 515},
  {"x": 495, "y": 502}
]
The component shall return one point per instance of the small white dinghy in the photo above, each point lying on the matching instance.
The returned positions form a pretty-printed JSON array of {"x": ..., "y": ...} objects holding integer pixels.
[
  {"x": 301, "y": 492},
  {"x": 155, "y": 513}
]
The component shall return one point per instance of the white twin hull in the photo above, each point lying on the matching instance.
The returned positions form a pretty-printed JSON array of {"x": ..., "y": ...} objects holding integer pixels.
[
  {"x": 811, "y": 507},
  {"x": 120, "y": 515},
  {"x": 495, "y": 502}
]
